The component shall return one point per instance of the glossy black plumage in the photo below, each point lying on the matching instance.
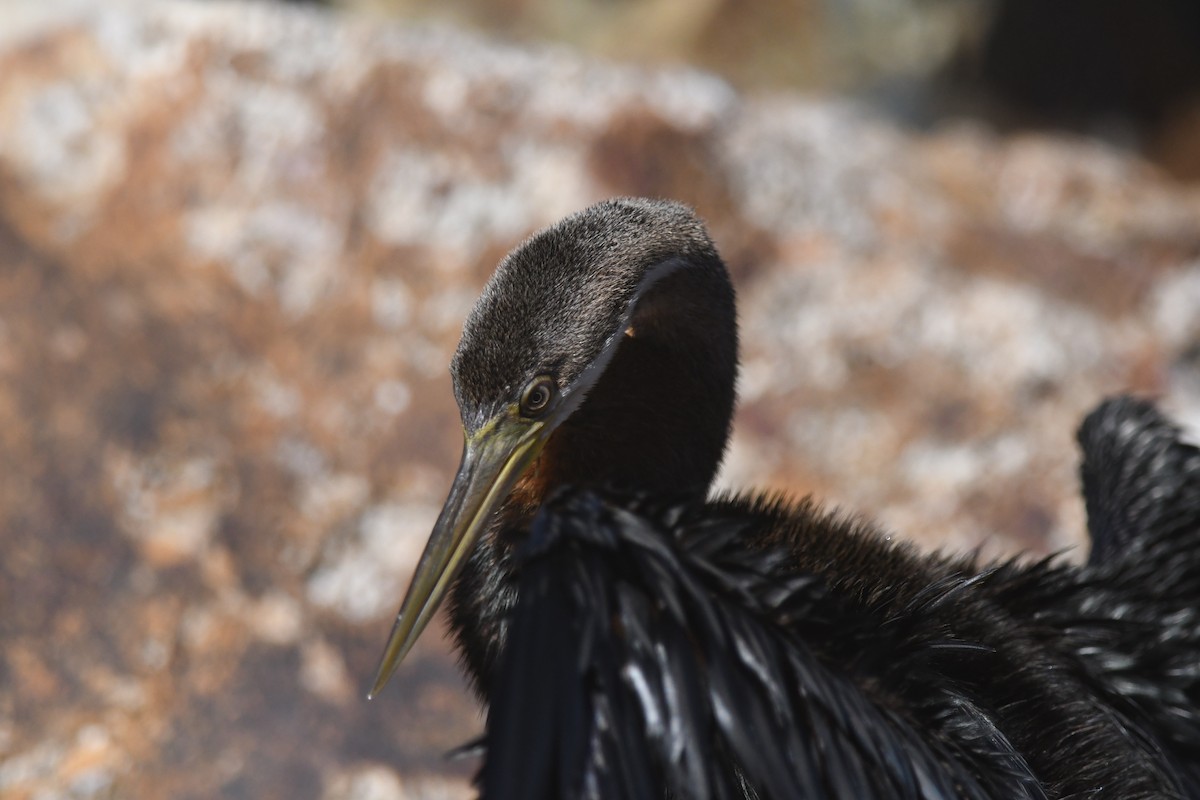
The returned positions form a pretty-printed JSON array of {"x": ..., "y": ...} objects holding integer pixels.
[
  {"x": 1141, "y": 481},
  {"x": 636, "y": 639},
  {"x": 651, "y": 648}
]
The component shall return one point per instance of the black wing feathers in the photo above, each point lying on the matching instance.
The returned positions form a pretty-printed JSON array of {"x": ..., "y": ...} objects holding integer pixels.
[
  {"x": 1141, "y": 482},
  {"x": 683, "y": 677}
]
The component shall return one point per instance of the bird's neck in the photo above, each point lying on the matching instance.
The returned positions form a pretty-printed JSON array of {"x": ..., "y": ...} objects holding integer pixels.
[{"x": 658, "y": 419}]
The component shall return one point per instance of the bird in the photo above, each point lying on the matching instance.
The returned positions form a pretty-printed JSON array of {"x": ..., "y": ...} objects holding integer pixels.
[{"x": 636, "y": 635}]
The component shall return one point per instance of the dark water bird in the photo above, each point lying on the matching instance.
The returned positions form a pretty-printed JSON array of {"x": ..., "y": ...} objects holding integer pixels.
[{"x": 636, "y": 638}]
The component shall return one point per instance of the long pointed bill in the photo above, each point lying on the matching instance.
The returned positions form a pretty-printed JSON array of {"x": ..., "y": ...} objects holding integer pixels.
[{"x": 492, "y": 461}]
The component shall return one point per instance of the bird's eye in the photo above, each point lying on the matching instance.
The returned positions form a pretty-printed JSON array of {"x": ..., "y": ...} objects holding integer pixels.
[{"x": 538, "y": 396}]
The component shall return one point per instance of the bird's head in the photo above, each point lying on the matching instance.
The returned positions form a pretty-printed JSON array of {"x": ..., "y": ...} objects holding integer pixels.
[{"x": 603, "y": 350}]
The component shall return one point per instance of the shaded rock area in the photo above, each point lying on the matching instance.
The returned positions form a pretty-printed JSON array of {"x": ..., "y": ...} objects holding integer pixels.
[
  {"x": 1129, "y": 72},
  {"x": 237, "y": 243}
]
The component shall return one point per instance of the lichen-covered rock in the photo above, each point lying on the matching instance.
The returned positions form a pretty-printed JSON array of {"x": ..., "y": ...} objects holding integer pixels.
[{"x": 236, "y": 246}]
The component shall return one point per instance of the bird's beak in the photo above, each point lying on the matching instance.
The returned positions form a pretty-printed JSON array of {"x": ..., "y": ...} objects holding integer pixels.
[{"x": 493, "y": 458}]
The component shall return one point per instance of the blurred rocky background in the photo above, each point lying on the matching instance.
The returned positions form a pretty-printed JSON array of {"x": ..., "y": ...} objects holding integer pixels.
[{"x": 237, "y": 242}]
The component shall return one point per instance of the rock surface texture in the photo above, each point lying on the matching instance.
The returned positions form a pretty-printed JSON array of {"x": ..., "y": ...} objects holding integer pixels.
[{"x": 237, "y": 243}]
